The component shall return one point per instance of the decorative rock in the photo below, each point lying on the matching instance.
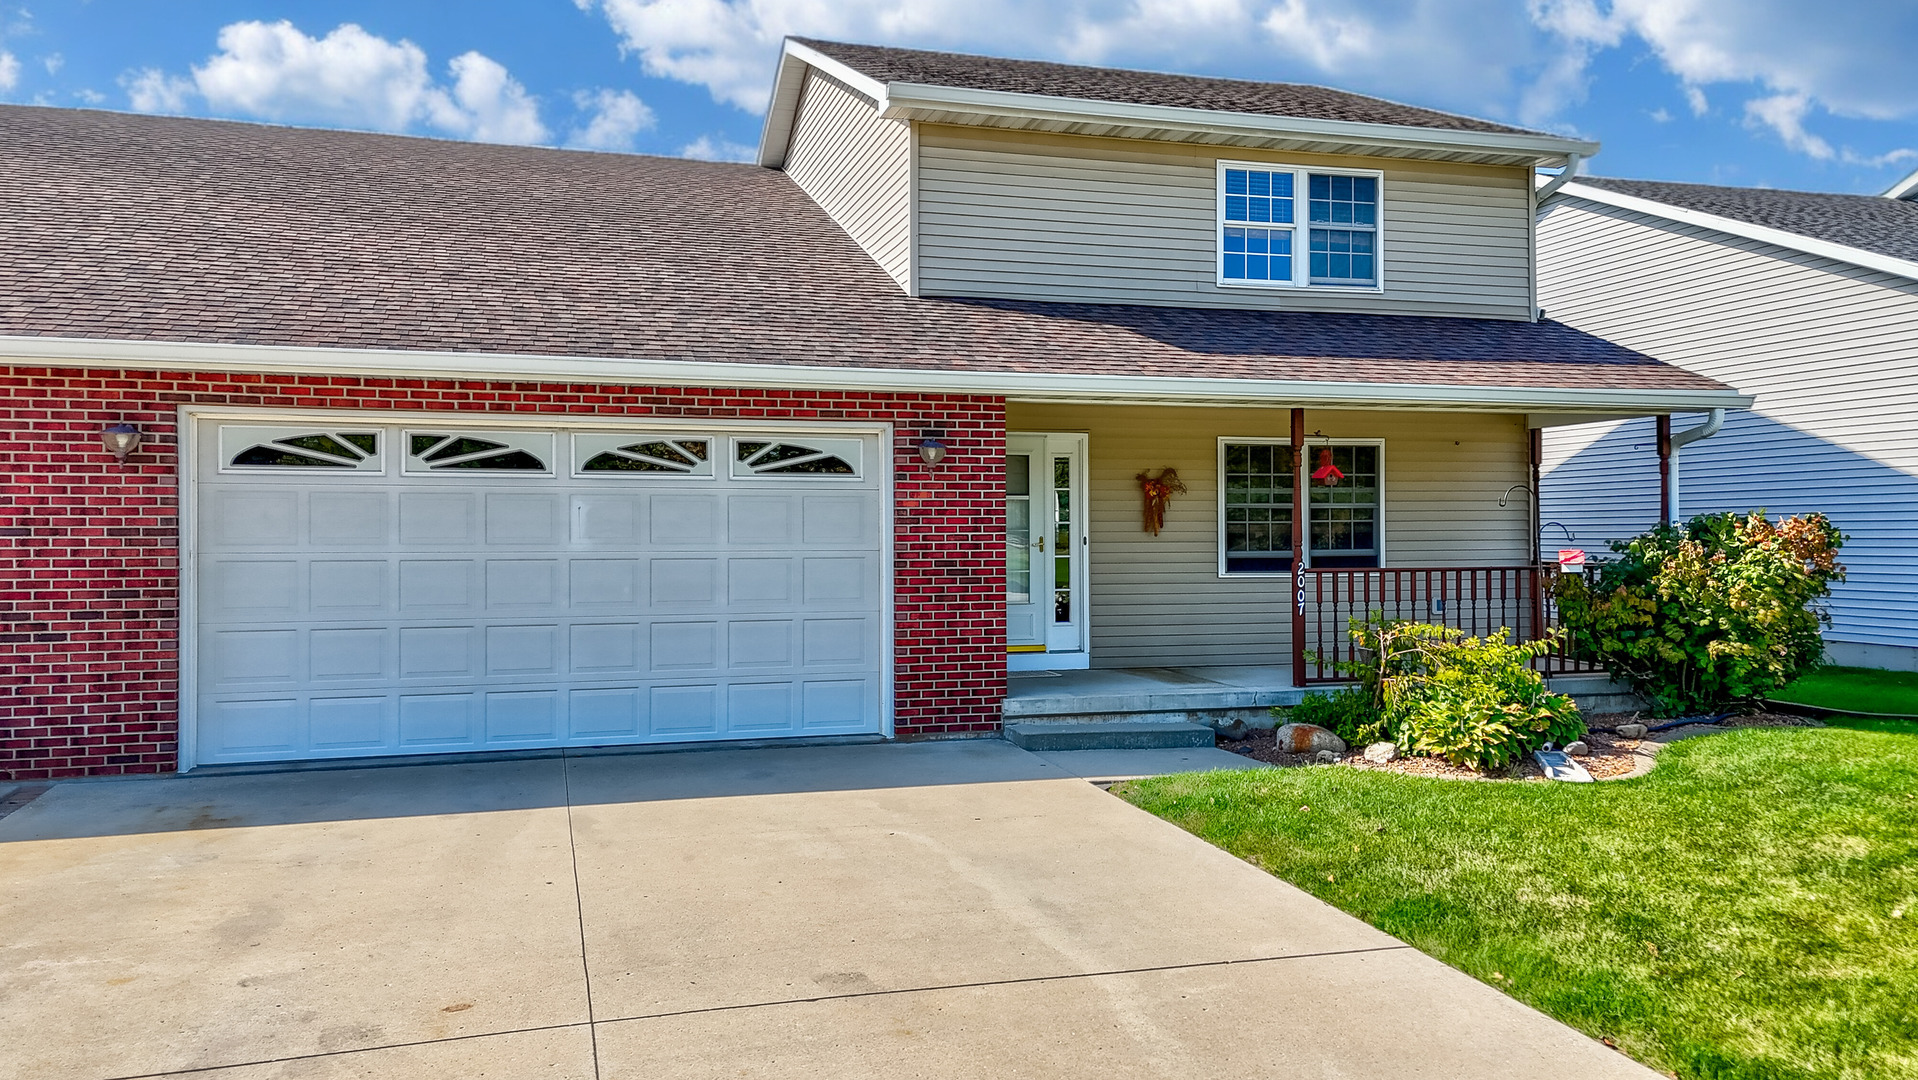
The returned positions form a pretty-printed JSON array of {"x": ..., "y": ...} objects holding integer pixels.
[
  {"x": 1307, "y": 738},
  {"x": 1578, "y": 748},
  {"x": 1381, "y": 752},
  {"x": 1325, "y": 757},
  {"x": 1235, "y": 731},
  {"x": 1630, "y": 731}
]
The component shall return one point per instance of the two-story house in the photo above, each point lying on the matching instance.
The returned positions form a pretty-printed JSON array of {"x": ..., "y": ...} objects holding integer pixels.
[{"x": 332, "y": 445}]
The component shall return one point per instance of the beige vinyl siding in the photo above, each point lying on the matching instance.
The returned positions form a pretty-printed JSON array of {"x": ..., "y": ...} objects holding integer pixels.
[
  {"x": 1829, "y": 349},
  {"x": 858, "y": 168},
  {"x": 1160, "y": 600},
  {"x": 1047, "y": 217}
]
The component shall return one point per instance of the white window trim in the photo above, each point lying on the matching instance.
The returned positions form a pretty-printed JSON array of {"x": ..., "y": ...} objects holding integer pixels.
[
  {"x": 1310, "y": 445},
  {"x": 1300, "y": 227}
]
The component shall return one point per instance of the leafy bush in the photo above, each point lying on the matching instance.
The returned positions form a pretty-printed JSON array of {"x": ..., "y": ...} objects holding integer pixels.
[
  {"x": 1712, "y": 615},
  {"x": 1348, "y": 713},
  {"x": 1437, "y": 691},
  {"x": 1472, "y": 701}
]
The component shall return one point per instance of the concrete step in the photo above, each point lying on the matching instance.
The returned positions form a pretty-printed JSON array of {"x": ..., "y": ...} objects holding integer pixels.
[
  {"x": 1598, "y": 693},
  {"x": 1109, "y": 735}
]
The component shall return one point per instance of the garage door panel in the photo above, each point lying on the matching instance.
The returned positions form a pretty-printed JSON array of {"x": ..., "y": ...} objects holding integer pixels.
[
  {"x": 523, "y": 650},
  {"x": 683, "y": 521},
  {"x": 341, "y": 725},
  {"x": 354, "y": 612},
  {"x": 439, "y": 586},
  {"x": 348, "y": 519},
  {"x": 523, "y": 585},
  {"x": 350, "y": 654},
  {"x": 760, "y": 520},
  {"x": 253, "y": 517},
  {"x": 439, "y": 721},
  {"x": 348, "y": 588},
  {"x": 439, "y": 519},
  {"x": 604, "y": 584}
]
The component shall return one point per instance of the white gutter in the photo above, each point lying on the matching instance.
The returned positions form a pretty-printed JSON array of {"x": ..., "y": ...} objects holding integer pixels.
[
  {"x": 901, "y": 98},
  {"x": 1054, "y": 386},
  {"x": 1682, "y": 439},
  {"x": 1570, "y": 170},
  {"x": 1870, "y": 260}
]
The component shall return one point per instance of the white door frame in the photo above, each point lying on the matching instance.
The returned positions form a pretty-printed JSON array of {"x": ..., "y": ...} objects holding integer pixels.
[
  {"x": 1057, "y": 656},
  {"x": 187, "y": 420}
]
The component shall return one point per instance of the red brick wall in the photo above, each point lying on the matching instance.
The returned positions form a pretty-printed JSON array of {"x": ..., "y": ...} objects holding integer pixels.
[{"x": 89, "y": 556}]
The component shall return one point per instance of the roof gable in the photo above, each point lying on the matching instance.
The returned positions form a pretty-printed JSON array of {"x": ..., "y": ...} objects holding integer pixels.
[{"x": 1838, "y": 226}]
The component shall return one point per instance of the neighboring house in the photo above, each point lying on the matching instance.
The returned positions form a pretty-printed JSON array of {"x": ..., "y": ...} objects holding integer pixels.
[
  {"x": 450, "y": 447},
  {"x": 1809, "y": 301}
]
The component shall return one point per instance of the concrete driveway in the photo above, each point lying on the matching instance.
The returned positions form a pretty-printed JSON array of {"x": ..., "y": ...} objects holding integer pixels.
[{"x": 938, "y": 910}]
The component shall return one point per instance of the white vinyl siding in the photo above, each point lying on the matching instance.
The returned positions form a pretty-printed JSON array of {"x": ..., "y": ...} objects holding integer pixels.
[
  {"x": 858, "y": 168},
  {"x": 1120, "y": 221},
  {"x": 1829, "y": 349},
  {"x": 1160, "y": 600}
]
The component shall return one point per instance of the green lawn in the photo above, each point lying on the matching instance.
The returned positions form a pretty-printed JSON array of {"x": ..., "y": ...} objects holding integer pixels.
[
  {"x": 1867, "y": 690},
  {"x": 1749, "y": 909}
]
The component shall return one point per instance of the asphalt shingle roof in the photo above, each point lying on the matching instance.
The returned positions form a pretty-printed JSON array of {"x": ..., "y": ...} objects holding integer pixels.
[
  {"x": 115, "y": 226},
  {"x": 1867, "y": 222},
  {"x": 1128, "y": 87}
]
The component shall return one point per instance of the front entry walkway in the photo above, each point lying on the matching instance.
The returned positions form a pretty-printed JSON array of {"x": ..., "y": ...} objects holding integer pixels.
[{"x": 948, "y": 909}]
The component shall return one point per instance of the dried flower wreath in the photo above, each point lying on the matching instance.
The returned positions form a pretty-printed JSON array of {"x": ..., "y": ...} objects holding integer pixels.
[{"x": 1158, "y": 491}]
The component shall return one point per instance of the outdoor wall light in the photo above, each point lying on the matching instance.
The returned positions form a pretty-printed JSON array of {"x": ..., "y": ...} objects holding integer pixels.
[
  {"x": 121, "y": 440},
  {"x": 931, "y": 450}
]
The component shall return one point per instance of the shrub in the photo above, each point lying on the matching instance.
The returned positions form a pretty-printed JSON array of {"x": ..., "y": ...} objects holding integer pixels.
[
  {"x": 1348, "y": 713},
  {"x": 1472, "y": 701},
  {"x": 1709, "y": 616}
]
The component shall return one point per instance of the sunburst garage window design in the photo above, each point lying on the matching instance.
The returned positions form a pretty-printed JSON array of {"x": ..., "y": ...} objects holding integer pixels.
[
  {"x": 247, "y": 448},
  {"x": 493, "y": 451},
  {"x": 823, "y": 457},
  {"x": 600, "y": 454}
]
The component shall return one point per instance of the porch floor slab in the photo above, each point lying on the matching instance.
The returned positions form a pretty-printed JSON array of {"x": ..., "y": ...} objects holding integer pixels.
[{"x": 1109, "y": 691}]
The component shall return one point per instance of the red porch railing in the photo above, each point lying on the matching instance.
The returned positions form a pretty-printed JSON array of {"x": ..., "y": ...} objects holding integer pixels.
[{"x": 1479, "y": 600}]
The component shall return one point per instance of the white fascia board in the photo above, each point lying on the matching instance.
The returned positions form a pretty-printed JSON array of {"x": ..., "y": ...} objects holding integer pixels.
[
  {"x": 397, "y": 364},
  {"x": 1870, "y": 260},
  {"x": 900, "y": 98},
  {"x": 782, "y": 111},
  {"x": 1904, "y": 189}
]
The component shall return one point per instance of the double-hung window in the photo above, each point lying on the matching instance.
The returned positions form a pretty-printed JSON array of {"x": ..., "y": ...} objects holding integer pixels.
[
  {"x": 1344, "y": 504},
  {"x": 1298, "y": 228}
]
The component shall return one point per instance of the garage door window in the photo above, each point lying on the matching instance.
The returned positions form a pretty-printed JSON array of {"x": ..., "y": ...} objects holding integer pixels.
[
  {"x": 826, "y": 457},
  {"x": 654, "y": 455},
  {"x": 495, "y": 451},
  {"x": 299, "y": 448}
]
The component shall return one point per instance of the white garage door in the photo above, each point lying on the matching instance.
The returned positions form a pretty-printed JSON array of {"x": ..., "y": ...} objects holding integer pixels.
[{"x": 369, "y": 589}]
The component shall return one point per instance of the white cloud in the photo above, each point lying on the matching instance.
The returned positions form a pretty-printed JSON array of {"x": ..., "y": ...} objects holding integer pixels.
[
  {"x": 9, "y": 71},
  {"x": 616, "y": 118},
  {"x": 90, "y": 96},
  {"x": 154, "y": 91},
  {"x": 349, "y": 78},
  {"x": 707, "y": 148},
  {"x": 1785, "y": 114},
  {"x": 487, "y": 104},
  {"x": 53, "y": 62}
]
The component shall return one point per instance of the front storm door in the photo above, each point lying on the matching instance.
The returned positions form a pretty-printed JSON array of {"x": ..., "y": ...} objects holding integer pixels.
[{"x": 1045, "y": 551}]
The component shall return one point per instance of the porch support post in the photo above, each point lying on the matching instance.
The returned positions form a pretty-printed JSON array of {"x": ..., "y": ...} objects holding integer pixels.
[
  {"x": 1298, "y": 547},
  {"x": 1536, "y": 444},
  {"x": 1664, "y": 469}
]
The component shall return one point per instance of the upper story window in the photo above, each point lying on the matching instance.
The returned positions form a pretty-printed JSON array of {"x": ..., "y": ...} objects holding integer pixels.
[{"x": 1264, "y": 239}]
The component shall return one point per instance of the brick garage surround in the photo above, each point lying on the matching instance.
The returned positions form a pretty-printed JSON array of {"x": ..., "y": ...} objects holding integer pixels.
[{"x": 89, "y": 548}]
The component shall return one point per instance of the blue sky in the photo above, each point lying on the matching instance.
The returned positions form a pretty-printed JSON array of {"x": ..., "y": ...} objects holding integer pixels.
[{"x": 1757, "y": 92}]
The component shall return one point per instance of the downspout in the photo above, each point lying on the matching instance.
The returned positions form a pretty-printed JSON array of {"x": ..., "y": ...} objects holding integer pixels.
[
  {"x": 1570, "y": 170},
  {"x": 1681, "y": 439}
]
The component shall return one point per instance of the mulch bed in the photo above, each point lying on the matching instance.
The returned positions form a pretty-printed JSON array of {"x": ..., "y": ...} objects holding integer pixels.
[{"x": 1611, "y": 757}]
